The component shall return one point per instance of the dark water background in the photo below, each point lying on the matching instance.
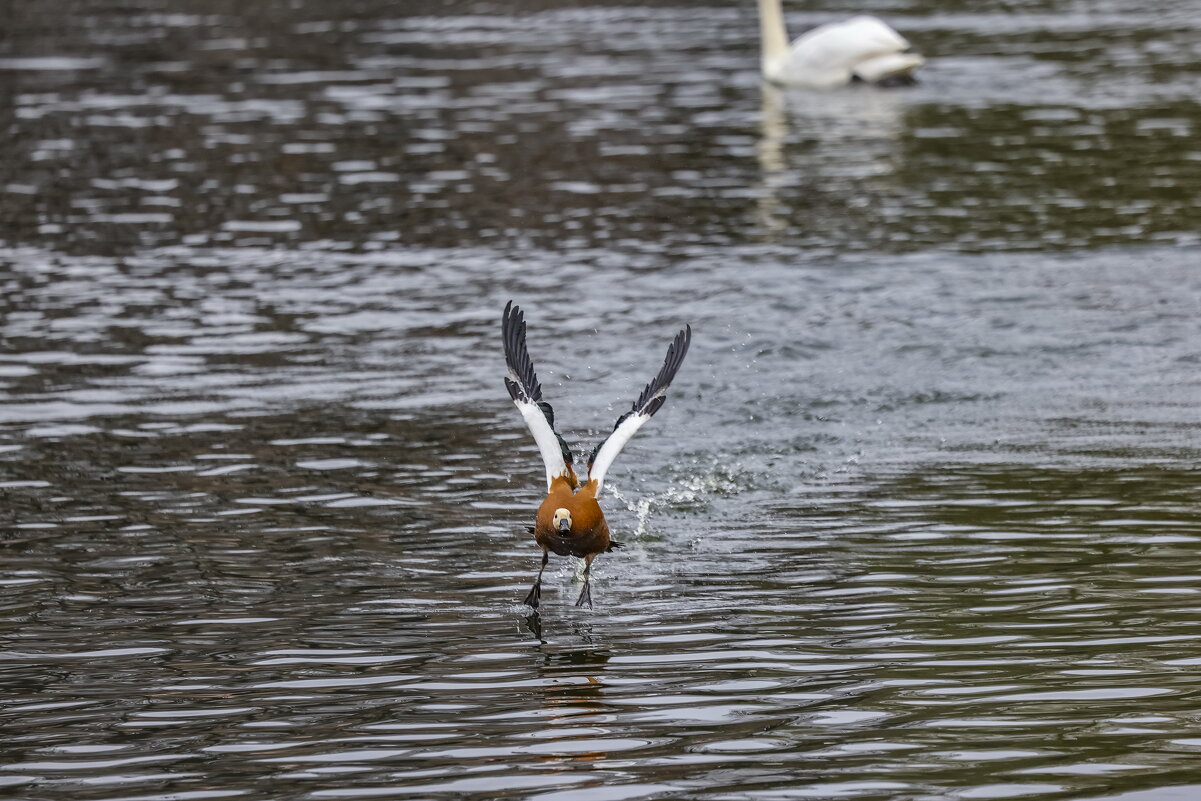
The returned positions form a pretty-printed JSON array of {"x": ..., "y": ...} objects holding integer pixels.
[{"x": 919, "y": 520}]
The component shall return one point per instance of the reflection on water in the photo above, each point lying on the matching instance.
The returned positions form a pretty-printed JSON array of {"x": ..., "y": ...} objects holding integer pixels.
[
  {"x": 829, "y": 157},
  {"x": 918, "y": 522}
]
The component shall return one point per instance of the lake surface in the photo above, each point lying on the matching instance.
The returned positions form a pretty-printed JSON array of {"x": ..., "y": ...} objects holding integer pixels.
[{"x": 919, "y": 520}]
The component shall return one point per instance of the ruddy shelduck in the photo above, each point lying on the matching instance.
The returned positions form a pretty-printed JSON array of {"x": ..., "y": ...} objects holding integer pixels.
[{"x": 570, "y": 521}]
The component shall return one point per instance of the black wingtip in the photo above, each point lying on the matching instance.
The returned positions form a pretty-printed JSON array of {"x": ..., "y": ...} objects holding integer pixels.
[
  {"x": 651, "y": 400},
  {"x": 517, "y": 355}
]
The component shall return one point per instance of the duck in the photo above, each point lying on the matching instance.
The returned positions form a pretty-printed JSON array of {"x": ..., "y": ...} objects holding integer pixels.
[
  {"x": 569, "y": 521},
  {"x": 860, "y": 49}
]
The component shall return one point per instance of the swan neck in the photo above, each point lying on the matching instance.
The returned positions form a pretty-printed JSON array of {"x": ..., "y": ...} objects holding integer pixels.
[{"x": 773, "y": 38}]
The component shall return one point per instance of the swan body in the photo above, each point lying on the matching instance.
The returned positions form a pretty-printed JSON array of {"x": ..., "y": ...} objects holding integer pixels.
[{"x": 834, "y": 54}]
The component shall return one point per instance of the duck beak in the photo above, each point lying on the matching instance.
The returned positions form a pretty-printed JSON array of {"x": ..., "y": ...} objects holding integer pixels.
[{"x": 564, "y": 526}]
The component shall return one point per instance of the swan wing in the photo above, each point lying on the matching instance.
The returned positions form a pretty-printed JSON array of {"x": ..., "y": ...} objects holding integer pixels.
[
  {"x": 889, "y": 65},
  {"x": 526, "y": 392},
  {"x": 830, "y": 54},
  {"x": 650, "y": 401}
]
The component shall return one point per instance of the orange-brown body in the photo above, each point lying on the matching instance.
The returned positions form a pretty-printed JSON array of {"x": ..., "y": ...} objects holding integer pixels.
[{"x": 589, "y": 533}]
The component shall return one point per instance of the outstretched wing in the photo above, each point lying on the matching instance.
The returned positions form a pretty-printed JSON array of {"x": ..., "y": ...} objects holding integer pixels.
[
  {"x": 649, "y": 402},
  {"x": 526, "y": 392}
]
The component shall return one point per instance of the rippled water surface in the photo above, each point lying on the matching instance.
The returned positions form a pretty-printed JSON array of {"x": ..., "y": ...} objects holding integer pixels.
[{"x": 918, "y": 522}]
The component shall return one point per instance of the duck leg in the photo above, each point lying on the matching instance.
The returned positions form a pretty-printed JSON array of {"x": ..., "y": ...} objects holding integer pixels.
[
  {"x": 586, "y": 593},
  {"x": 535, "y": 595}
]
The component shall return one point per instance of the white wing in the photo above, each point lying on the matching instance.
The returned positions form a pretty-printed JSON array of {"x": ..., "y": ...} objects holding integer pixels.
[
  {"x": 649, "y": 402},
  {"x": 832, "y": 54},
  {"x": 874, "y": 70},
  {"x": 526, "y": 392}
]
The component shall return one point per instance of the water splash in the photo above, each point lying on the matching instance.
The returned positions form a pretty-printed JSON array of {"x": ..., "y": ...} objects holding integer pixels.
[{"x": 690, "y": 492}]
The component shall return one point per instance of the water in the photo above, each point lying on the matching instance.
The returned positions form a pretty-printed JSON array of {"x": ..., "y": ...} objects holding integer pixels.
[{"x": 918, "y": 520}]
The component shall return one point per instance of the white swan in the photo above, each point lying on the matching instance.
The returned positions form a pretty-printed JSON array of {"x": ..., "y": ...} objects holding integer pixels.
[{"x": 834, "y": 54}]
